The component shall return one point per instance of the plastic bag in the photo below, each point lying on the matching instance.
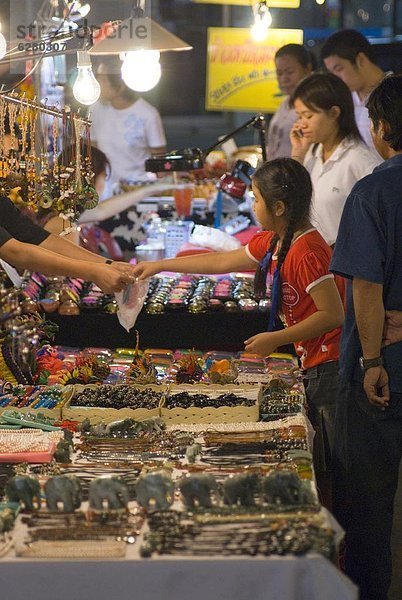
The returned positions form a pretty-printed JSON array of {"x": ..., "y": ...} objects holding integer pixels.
[
  {"x": 130, "y": 302},
  {"x": 215, "y": 239}
]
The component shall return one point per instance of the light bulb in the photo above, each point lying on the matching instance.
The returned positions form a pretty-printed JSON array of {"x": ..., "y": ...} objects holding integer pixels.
[
  {"x": 262, "y": 22},
  {"x": 320, "y": 2},
  {"x": 141, "y": 70},
  {"x": 86, "y": 88},
  {"x": 3, "y": 45}
]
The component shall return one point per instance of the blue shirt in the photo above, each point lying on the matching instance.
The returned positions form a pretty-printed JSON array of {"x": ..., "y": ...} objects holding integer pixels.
[{"x": 369, "y": 247}]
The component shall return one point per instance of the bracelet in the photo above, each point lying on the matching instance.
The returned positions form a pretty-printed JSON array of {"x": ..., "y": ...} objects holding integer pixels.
[{"x": 108, "y": 261}]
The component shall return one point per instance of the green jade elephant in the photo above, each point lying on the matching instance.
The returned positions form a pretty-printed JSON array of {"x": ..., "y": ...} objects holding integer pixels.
[
  {"x": 196, "y": 490},
  {"x": 108, "y": 493},
  {"x": 25, "y": 490},
  {"x": 155, "y": 491},
  {"x": 241, "y": 489},
  {"x": 64, "y": 490}
]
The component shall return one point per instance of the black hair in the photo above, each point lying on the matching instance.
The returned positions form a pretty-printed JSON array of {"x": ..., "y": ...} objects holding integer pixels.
[
  {"x": 322, "y": 91},
  {"x": 112, "y": 66},
  {"x": 99, "y": 160},
  {"x": 385, "y": 104},
  {"x": 347, "y": 44},
  {"x": 287, "y": 180},
  {"x": 303, "y": 56}
]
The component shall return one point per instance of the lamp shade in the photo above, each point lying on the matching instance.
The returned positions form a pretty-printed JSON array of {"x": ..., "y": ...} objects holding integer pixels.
[{"x": 136, "y": 34}]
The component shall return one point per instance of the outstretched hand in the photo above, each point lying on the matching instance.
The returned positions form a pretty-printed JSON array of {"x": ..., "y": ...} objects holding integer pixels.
[
  {"x": 146, "y": 269},
  {"x": 112, "y": 279},
  {"x": 124, "y": 267},
  {"x": 261, "y": 343}
]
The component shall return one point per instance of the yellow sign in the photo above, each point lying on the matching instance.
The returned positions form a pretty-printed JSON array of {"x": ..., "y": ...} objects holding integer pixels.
[
  {"x": 241, "y": 72},
  {"x": 270, "y": 3}
]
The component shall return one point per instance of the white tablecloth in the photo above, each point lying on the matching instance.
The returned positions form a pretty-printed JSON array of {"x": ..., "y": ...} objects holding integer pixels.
[{"x": 305, "y": 578}]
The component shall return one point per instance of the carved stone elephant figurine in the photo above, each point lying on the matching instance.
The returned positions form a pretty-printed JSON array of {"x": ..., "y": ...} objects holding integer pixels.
[
  {"x": 109, "y": 491},
  {"x": 192, "y": 452},
  {"x": 65, "y": 489},
  {"x": 25, "y": 490},
  {"x": 196, "y": 489},
  {"x": 63, "y": 452},
  {"x": 283, "y": 487},
  {"x": 241, "y": 489},
  {"x": 155, "y": 491}
]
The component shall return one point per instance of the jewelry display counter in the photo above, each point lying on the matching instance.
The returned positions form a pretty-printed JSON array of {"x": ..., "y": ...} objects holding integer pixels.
[
  {"x": 176, "y": 576},
  {"x": 272, "y": 543}
]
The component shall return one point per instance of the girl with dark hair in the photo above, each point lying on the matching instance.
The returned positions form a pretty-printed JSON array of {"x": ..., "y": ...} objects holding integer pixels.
[
  {"x": 325, "y": 138},
  {"x": 304, "y": 294},
  {"x": 292, "y": 62}
]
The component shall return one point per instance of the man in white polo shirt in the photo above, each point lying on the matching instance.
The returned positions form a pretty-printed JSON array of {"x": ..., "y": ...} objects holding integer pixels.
[{"x": 350, "y": 56}]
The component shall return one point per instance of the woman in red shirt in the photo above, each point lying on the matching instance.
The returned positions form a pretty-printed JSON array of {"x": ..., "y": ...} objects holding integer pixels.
[{"x": 305, "y": 295}]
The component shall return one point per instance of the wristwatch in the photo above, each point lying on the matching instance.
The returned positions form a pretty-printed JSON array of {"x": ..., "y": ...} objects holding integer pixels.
[{"x": 369, "y": 363}]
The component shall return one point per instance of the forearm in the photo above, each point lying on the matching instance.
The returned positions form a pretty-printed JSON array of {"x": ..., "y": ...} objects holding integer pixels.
[
  {"x": 58, "y": 245},
  {"x": 370, "y": 316},
  {"x": 314, "y": 326},
  {"x": 37, "y": 258},
  {"x": 212, "y": 262}
]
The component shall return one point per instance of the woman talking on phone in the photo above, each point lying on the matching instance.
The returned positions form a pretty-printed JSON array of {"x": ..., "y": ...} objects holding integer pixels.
[
  {"x": 325, "y": 138},
  {"x": 292, "y": 63}
]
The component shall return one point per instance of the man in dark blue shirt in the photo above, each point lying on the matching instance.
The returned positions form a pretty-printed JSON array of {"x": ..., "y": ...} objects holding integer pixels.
[{"x": 368, "y": 445}]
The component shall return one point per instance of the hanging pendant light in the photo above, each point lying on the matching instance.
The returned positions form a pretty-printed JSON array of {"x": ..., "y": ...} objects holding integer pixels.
[
  {"x": 141, "y": 69},
  {"x": 262, "y": 22},
  {"x": 86, "y": 88},
  {"x": 3, "y": 45},
  {"x": 139, "y": 41}
]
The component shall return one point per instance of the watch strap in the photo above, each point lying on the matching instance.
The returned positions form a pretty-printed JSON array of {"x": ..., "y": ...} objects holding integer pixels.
[{"x": 369, "y": 363}]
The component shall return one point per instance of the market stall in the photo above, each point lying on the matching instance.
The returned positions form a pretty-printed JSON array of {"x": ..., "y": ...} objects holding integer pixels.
[
  {"x": 212, "y": 431},
  {"x": 171, "y": 473}
]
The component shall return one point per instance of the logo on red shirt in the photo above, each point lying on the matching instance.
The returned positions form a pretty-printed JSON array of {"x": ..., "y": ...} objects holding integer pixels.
[{"x": 290, "y": 296}]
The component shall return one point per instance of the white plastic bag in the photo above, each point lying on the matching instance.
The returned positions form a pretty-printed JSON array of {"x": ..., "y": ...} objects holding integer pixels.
[
  {"x": 130, "y": 302},
  {"x": 215, "y": 239}
]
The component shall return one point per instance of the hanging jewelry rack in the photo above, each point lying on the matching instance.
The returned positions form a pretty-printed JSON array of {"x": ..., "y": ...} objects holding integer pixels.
[
  {"x": 48, "y": 110},
  {"x": 28, "y": 177}
]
